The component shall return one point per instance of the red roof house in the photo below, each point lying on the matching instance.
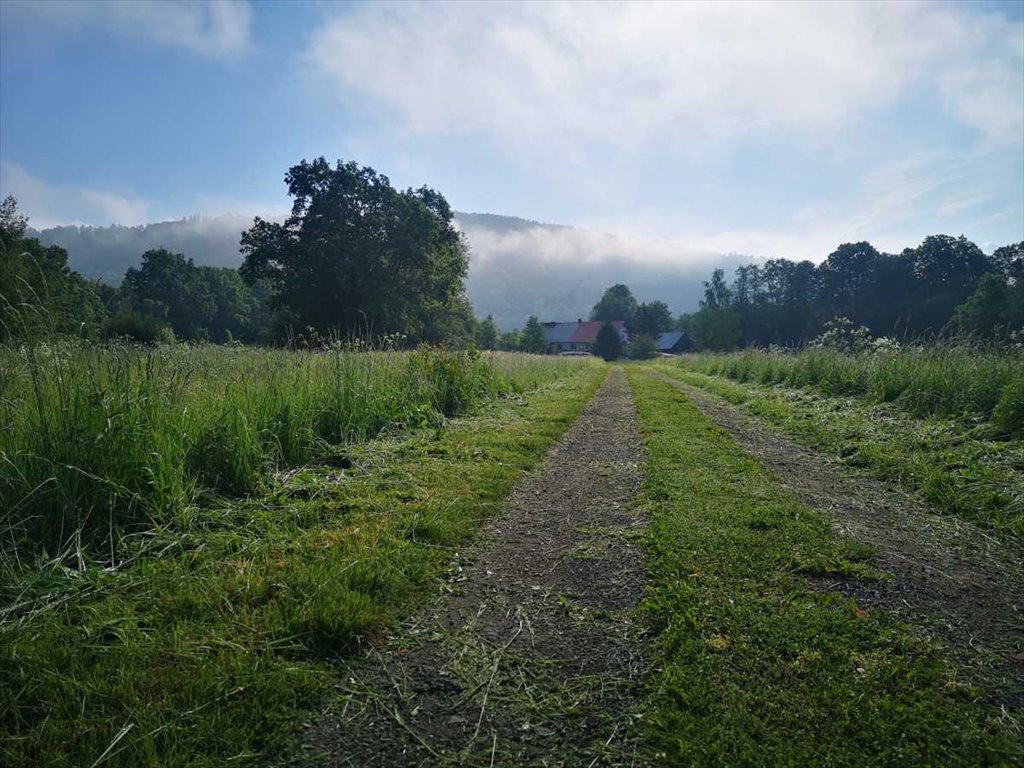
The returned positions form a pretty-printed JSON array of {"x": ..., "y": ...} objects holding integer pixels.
[{"x": 578, "y": 336}]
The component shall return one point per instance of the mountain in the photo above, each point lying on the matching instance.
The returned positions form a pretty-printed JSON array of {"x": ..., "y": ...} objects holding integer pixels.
[
  {"x": 104, "y": 253},
  {"x": 517, "y": 267}
]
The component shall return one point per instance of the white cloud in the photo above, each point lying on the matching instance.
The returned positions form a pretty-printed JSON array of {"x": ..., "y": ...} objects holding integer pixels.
[
  {"x": 49, "y": 205},
  {"x": 585, "y": 78},
  {"x": 580, "y": 247},
  {"x": 212, "y": 28}
]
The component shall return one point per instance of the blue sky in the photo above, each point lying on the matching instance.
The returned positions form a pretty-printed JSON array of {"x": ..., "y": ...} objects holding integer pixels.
[{"x": 764, "y": 129}]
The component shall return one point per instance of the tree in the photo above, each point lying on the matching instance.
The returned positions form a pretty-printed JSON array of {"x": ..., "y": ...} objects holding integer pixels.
[
  {"x": 947, "y": 270},
  {"x": 1009, "y": 259},
  {"x": 533, "y": 339},
  {"x": 608, "y": 343},
  {"x": 847, "y": 277},
  {"x": 642, "y": 347},
  {"x": 716, "y": 329},
  {"x": 232, "y": 303},
  {"x": 170, "y": 287},
  {"x": 510, "y": 341},
  {"x": 945, "y": 261},
  {"x": 12, "y": 223},
  {"x": 39, "y": 293},
  {"x": 716, "y": 292},
  {"x": 357, "y": 255},
  {"x": 992, "y": 310},
  {"x": 487, "y": 334},
  {"x": 652, "y": 319},
  {"x": 617, "y": 303}
]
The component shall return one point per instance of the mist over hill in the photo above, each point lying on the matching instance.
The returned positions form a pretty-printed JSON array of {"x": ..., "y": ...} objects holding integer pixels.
[{"x": 517, "y": 267}]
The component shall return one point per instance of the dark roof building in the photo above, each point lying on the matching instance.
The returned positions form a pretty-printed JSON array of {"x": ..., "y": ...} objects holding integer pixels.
[{"x": 672, "y": 343}]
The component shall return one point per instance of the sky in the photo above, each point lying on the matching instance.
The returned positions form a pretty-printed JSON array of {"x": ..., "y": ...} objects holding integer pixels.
[{"x": 767, "y": 129}]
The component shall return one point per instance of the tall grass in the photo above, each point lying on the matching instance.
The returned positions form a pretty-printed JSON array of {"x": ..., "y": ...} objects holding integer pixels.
[
  {"x": 100, "y": 442},
  {"x": 946, "y": 381}
]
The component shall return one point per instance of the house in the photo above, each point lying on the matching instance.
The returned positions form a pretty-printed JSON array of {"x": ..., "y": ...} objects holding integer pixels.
[
  {"x": 673, "y": 342},
  {"x": 578, "y": 336}
]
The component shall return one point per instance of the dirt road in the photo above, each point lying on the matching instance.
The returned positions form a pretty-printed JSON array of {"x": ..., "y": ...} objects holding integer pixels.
[{"x": 532, "y": 654}]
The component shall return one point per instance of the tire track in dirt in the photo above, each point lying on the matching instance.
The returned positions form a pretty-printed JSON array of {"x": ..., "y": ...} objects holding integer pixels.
[
  {"x": 533, "y": 656},
  {"x": 948, "y": 577}
]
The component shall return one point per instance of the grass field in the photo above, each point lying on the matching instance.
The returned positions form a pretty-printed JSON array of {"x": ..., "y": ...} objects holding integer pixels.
[
  {"x": 195, "y": 540},
  {"x": 759, "y": 668},
  {"x": 198, "y": 615},
  {"x": 103, "y": 442},
  {"x": 966, "y": 461},
  {"x": 959, "y": 382}
]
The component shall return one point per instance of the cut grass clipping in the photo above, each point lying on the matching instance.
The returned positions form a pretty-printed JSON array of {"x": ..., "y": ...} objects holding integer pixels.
[
  {"x": 759, "y": 668},
  {"x": 959, "y": 466},
  {"x": 954, "y": 381},
  {"x": 206, "y": 649}
]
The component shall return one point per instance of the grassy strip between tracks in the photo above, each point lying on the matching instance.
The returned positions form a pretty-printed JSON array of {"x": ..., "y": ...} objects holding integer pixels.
[
  {"x": 759, "y": 668},
  {"x": 208, "y": 648},
  {"x": 959, "y": 469}
]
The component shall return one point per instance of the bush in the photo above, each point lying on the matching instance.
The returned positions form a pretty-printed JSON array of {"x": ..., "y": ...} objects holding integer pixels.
[
  {"x": 842, "y": 335},
  {"x": 135, "y": 326},
  {"x": 643, "y": 348}
]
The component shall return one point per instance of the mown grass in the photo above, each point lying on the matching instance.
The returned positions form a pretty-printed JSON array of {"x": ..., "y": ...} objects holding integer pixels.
[
  {"x": 759, "y": 668},
  {"x": 960, "y": 467},
  {"x": 206, "y": 646},
  {"x": 959, "y": 382},
  {"x": 100, "y": 442}
]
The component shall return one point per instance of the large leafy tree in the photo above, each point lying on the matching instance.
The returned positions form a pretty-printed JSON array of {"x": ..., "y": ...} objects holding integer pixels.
[
  {"x": 357, "y": 255},
  {"x": 617, "y": 303},
  {"x": 651, "y": 319},
  {"x": 847, "y": 279},
  {"x": 948, "y": 270},
  {"x": 1010, "y": 260},
  {"x": 169, "y": 287},
  {"x": 994, "y": 310}
]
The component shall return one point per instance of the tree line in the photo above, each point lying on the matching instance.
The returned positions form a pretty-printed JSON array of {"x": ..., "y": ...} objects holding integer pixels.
[
  {"x": 945, "y": 286},
  {"x": 358, "y": 257}
]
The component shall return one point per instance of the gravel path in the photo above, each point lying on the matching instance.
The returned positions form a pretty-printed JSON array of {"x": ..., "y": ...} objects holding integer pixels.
[
  {"x": 949, "y": 577},
  {"x": 533, "y": 655}
]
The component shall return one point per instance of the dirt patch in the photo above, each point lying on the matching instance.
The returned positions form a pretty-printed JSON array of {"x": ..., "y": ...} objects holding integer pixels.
[
  {"x": 533, "y": 653},
  {"x": 950, "y": 578}
]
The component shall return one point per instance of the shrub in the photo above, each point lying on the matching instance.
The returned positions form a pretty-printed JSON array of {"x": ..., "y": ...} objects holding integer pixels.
[
  {"x": 135, "y": 326},
  {"x": 642, "y": 347},
  {"x": 841, "y": 334}
]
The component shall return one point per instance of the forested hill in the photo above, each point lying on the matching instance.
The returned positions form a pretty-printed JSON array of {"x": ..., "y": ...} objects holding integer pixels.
[
  {"x": 517, "y": 267},
  {"x": 106, "y": 252}
]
